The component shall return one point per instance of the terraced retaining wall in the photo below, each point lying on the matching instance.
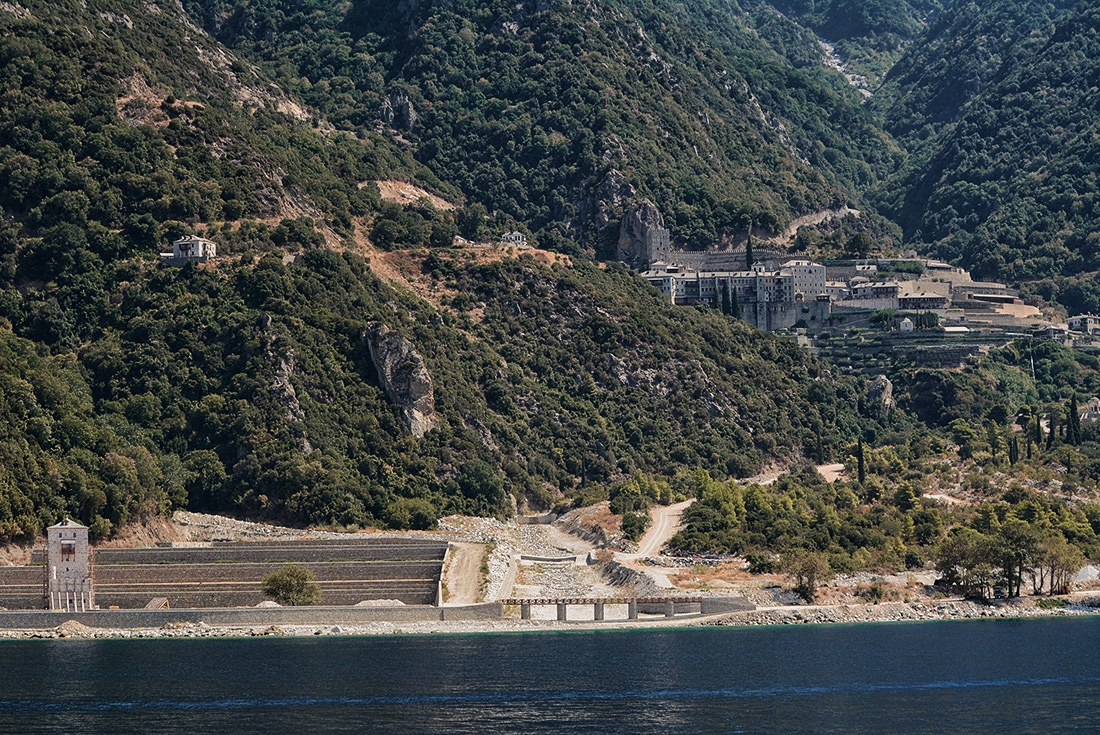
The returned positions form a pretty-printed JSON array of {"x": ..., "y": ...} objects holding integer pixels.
[{"x": 230, "y": 574}]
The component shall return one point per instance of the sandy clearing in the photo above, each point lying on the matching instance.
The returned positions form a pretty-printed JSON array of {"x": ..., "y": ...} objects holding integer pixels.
[{"x": 401, "y": 192}]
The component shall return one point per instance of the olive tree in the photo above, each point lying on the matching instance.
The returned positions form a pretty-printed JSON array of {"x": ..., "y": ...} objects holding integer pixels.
[{"x": 292, "y": 585}]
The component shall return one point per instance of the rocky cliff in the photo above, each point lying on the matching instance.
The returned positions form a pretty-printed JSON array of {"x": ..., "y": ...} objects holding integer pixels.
[
  {"x": 404, "y": 376},
  {"x": 643, "y": 238}
]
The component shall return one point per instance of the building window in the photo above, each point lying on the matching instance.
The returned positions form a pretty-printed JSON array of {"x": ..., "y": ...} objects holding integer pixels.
[{"x": 68, "y": 551}]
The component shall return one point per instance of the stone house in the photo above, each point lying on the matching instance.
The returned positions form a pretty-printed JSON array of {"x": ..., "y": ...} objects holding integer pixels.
[{"x": 190, "y": 247}]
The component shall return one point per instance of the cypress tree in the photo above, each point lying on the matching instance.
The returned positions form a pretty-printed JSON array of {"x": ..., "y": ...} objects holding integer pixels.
[
  {"x": 749, "y": 259},
  {"x": 735, "y": 305},
  {"x": 726, "y": 306},
  {"x": 1074, "y": 423},
  {"x": 862, "y": 471}
]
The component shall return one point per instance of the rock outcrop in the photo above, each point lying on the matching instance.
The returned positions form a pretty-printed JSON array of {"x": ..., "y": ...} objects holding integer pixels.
[
  {"x": 643, "y": 238},
  {"x": 880, "y": 394},
  {"x": 398, "y": 108},
  {"x": 404, "y": 376}
]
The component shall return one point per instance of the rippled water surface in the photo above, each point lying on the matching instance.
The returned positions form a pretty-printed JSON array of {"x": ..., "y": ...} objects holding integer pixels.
[{"x": 1030, "y": 676}]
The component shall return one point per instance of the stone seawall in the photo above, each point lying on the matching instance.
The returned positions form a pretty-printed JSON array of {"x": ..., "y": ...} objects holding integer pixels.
[{"x": 229, "y": 617}]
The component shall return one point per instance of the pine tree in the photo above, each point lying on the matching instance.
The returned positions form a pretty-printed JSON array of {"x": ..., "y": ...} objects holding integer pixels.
[{"x": 993, "y": 437}]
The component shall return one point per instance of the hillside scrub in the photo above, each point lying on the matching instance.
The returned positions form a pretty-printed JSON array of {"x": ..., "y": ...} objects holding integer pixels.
[{"x": 250, "y": 389}]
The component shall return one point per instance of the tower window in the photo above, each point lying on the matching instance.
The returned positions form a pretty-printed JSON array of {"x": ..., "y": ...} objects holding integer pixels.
[{"x": 68, "y": 551}]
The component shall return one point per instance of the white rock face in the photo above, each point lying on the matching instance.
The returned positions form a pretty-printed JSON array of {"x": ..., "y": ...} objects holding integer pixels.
[{"x": 404, "y": 377}]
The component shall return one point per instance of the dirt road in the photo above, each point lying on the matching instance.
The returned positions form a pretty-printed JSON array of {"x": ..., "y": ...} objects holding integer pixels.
[
  {"x": 664, "y": 523},
  {"x": 463, "y": 573}
]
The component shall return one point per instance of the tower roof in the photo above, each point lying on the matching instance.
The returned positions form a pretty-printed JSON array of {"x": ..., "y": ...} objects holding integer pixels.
[{"x": 68, "y": 523}]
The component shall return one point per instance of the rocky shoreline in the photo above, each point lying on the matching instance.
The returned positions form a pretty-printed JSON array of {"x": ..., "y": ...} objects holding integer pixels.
[
  {"x": 901, "y": 611},
  {"x": 802, "y": 615}
]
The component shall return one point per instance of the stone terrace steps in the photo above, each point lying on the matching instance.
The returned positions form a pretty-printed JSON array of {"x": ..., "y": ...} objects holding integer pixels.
[
  {"x": 313, "y": 550},
  {"x": 240, "y": 598},
  {"x": 245, "y": 573},
  {"x": 410, "y": 592}
]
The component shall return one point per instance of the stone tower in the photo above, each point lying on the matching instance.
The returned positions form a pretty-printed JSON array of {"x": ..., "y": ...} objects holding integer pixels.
[{"x": 69, "y": 583}]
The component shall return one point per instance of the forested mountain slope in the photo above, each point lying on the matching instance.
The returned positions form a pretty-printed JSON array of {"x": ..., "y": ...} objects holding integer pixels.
[
  {"x": 869, "y": 35},
  {"x": 999, "y": 109},
  {"x": 555, "y": 113},
  {"x": 249, "y": 388},
  {"x": 246, "y": 385}
]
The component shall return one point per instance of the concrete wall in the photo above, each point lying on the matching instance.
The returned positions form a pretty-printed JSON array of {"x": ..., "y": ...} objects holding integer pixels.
[
  {"x": 23, "y": 575},
  {"x": 205, "y": 596},
  {"x": 716, "y": 605},
  {"x": 541, "y": 520},
  {"x": 726, "y": 260},
  {"x": 245, "y": 617},
  {"x": 773, "y": 315}
]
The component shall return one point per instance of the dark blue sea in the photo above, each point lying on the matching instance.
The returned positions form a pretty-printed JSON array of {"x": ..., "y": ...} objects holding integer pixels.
[{"x": 1015, "y": 676}]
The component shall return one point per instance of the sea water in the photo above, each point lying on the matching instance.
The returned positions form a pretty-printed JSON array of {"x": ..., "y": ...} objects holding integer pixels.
[{"x": 999, "y": 676}]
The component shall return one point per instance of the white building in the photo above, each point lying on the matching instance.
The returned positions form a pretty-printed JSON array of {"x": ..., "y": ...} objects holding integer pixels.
[
  {"x": 1085, "y": 323},
  {"x": 191, "y": 247}
]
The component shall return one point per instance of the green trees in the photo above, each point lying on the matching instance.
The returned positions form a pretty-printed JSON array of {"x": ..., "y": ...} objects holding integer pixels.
[
  {"x": 998, "y": 186},
  {"x": 808, "y": 570},
  {"x": 539, "y": 125},
  {"x": 292, "y": 585},
  {"x": 974, "y": 562}
]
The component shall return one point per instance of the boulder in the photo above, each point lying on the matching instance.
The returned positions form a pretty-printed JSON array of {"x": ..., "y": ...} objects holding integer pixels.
[
  {"x": 403, "y": 376},
  {"x": 880, "y": 394}
]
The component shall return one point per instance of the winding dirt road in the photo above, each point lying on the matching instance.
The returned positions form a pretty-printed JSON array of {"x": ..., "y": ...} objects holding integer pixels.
[{"x": 663, "y": 525}]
